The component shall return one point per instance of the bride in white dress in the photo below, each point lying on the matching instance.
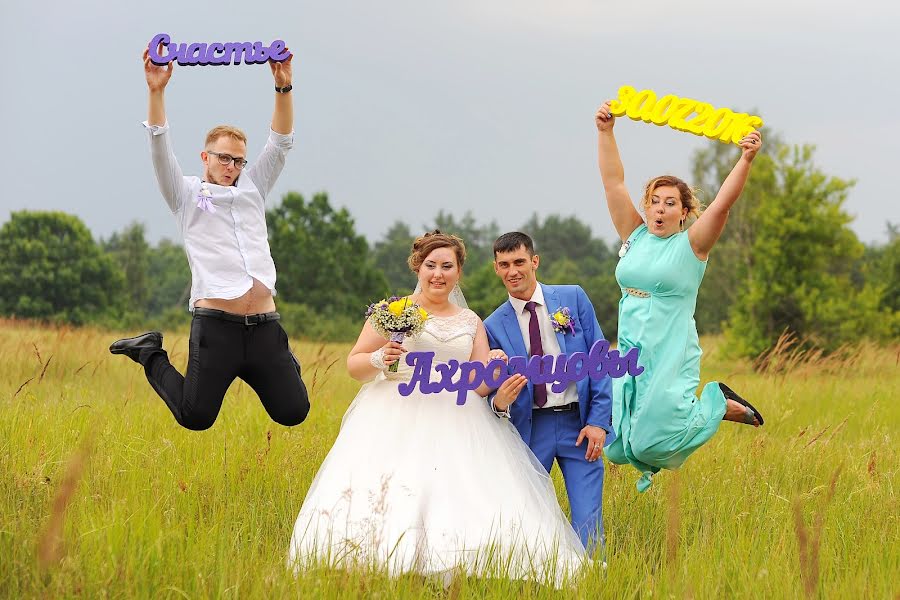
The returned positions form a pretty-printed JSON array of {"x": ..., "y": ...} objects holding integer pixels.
[{"x": 421, "y": 484}]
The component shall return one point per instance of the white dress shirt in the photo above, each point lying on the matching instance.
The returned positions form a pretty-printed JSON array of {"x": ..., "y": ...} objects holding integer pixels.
[
  {"x": 224, "y": 232},
  {"x": 548, "y": 341}
]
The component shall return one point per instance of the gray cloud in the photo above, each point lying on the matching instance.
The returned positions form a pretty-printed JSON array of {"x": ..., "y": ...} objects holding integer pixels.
[{"x": 405, "y": 108}]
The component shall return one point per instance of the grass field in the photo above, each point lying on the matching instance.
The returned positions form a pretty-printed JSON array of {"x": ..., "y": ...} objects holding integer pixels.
[{"x": 102, "y": 494}]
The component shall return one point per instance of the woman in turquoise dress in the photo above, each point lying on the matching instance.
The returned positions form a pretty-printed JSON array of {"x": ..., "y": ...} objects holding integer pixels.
[{"x": 657, "y": 415}]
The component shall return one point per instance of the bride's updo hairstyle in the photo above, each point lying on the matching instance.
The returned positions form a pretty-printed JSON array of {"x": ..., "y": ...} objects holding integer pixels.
[{"x": 431, "y": 241}]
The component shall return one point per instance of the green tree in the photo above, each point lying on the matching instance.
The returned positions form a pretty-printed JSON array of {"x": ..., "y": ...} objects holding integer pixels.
[
  {"x": 888, "y": 270},
  {"x": 878, "y": 275},
  {"x": 132, "y": 252},
  {"x": 728, "y": 268},
  {"x": 390, "y": 255},
  {"x": 558, "y": 237},
  {"x": 321, "y": 260},
  {"x": 479, "y": 239},
  {"x": 799, "y": 260},
  {"x": 570, "y": 254},
  {"x": 170, "y": 278},
  {"x": 483, "y": 289},
  {"x": 53, "y": 269}
]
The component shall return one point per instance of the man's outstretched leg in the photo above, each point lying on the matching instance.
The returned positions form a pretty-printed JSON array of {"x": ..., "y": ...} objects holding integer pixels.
[{"x": 214, "y": 359}]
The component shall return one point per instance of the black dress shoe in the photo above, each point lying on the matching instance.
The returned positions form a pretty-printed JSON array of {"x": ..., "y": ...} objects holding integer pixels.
[{"x": 131, "y": 347}]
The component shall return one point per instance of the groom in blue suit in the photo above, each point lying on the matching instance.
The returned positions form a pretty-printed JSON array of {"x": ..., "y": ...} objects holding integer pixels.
[{"x": 554, "y": 425}]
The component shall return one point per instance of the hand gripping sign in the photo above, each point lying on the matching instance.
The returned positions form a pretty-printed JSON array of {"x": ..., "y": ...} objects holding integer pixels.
[
  {"x": 721, "y": 124},
  {"x": 560, "y": 370},
  {"x": 253, "y": 53}
]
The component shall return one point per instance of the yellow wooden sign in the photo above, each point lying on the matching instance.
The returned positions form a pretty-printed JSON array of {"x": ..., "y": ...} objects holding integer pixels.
[{"x": 721, "y": 124}]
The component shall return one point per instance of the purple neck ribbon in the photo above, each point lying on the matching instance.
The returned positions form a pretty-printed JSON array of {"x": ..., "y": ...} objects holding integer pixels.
[
  {"x": 203, "y": 199},
  {"x": 204, "y": 203}
]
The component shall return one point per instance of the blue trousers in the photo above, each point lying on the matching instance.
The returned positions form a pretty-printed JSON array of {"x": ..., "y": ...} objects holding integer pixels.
[{"x": 553, "y": 436}]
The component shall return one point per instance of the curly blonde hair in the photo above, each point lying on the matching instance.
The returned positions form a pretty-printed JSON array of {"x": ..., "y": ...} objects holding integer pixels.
[
  {"x": 689, "y": 197},
  {"x": 431, "y": 241}
]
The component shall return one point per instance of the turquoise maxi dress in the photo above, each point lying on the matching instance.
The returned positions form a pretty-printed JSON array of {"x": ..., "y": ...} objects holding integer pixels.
[{"x": 657, "y": 415}]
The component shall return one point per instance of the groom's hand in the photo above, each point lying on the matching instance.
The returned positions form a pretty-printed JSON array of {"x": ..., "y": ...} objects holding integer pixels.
[{"x": 595, "y": 437}]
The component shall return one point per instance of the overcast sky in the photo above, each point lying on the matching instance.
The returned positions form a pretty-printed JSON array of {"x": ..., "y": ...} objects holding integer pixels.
[{"x": 408, "y": 107}]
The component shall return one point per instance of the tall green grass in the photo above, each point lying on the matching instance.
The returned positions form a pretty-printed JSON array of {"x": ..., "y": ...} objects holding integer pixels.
[{"x": 103, "y": 495}]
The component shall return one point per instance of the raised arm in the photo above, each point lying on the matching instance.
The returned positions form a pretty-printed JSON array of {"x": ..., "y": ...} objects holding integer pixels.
[
  {"x": 706, "y": 231},
  {"x": 283, "y": 116},
  {"x": 157, "y": 79},
  {"x": 264, "y": 171},
  {"x": 624, "y": 216},
  {"x": 168, "y": 173}
]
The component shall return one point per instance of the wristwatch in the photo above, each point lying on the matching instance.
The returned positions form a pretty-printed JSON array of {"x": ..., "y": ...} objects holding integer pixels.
[{"x": 285, "y": 89}]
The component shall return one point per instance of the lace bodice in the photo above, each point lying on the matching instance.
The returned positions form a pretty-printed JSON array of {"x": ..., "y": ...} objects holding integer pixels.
[{"x": 448, "y": 337}]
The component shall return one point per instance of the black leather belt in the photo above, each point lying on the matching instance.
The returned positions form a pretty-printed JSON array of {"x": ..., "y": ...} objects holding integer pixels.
[
  {"x": 245, "y": 319},
  {"x": 563, "y": 408}
]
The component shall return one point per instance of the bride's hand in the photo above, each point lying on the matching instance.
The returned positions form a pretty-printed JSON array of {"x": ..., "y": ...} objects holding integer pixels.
[
  {"x": 509, "y": 390},
  {"x": 495, "y": 354},
  {"x": 391, "y": 353}
]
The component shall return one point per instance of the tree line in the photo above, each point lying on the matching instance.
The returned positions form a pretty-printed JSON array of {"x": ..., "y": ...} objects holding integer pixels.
[{"x": 787, "y": 261}]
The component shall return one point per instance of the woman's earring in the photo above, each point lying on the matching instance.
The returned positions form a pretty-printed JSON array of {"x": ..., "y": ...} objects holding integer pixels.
[{"x": 681, "y": 225}]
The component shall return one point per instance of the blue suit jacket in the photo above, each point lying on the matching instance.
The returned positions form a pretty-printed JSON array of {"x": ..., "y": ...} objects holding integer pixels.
[{"x": 594, "y": 396}]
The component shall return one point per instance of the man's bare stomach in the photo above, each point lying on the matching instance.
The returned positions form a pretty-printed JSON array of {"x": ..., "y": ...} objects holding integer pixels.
[{"x": 258, "y": 299}]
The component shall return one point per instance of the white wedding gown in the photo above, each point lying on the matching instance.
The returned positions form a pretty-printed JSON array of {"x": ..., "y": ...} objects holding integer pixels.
[{"x": 421, "y": 484}]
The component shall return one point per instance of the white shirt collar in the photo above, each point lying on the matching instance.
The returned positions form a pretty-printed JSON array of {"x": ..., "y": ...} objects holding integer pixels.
[{"x": 537, "y": 297}]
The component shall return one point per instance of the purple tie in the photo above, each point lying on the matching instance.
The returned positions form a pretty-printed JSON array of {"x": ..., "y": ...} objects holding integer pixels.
[{"x": 537, "y": 349}]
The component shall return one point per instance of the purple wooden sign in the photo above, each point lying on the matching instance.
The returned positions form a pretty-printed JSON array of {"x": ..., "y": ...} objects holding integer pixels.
[
  {"x": 559, "y": 370},
  {"x": 252, "y": 53}
]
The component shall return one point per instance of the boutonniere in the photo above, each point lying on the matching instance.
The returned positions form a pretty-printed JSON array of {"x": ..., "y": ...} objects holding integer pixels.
[
  {"x": 203, "y": 198},
  {"x": 562, "y": 321}
]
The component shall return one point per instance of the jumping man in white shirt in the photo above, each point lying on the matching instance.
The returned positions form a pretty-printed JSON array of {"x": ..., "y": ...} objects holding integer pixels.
[{"x": 222, "y": 219}]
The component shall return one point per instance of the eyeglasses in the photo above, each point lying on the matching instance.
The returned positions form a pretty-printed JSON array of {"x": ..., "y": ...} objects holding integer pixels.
[{"x": 225, "y": 160}]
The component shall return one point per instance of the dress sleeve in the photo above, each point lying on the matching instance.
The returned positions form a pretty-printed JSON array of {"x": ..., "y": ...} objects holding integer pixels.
[
  {"x": 266, "y": 169},
  {"x": 171, "y": 181}
]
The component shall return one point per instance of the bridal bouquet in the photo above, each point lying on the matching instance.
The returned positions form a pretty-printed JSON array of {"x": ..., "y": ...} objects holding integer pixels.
[{"x": 396, "y": 318}]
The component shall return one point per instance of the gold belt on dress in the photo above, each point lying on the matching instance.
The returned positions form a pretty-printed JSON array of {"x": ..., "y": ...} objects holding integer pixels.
[{"x": 638, "y": 293}]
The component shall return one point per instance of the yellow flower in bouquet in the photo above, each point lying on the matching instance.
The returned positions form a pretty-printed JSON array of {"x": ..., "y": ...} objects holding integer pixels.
[
  {"x": 396, "y": 319},
  {"x": 398, "y": 306}
]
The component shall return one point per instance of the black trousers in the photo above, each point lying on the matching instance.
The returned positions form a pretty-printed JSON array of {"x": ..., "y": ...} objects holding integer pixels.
[{"x": 220, "y": 351}]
